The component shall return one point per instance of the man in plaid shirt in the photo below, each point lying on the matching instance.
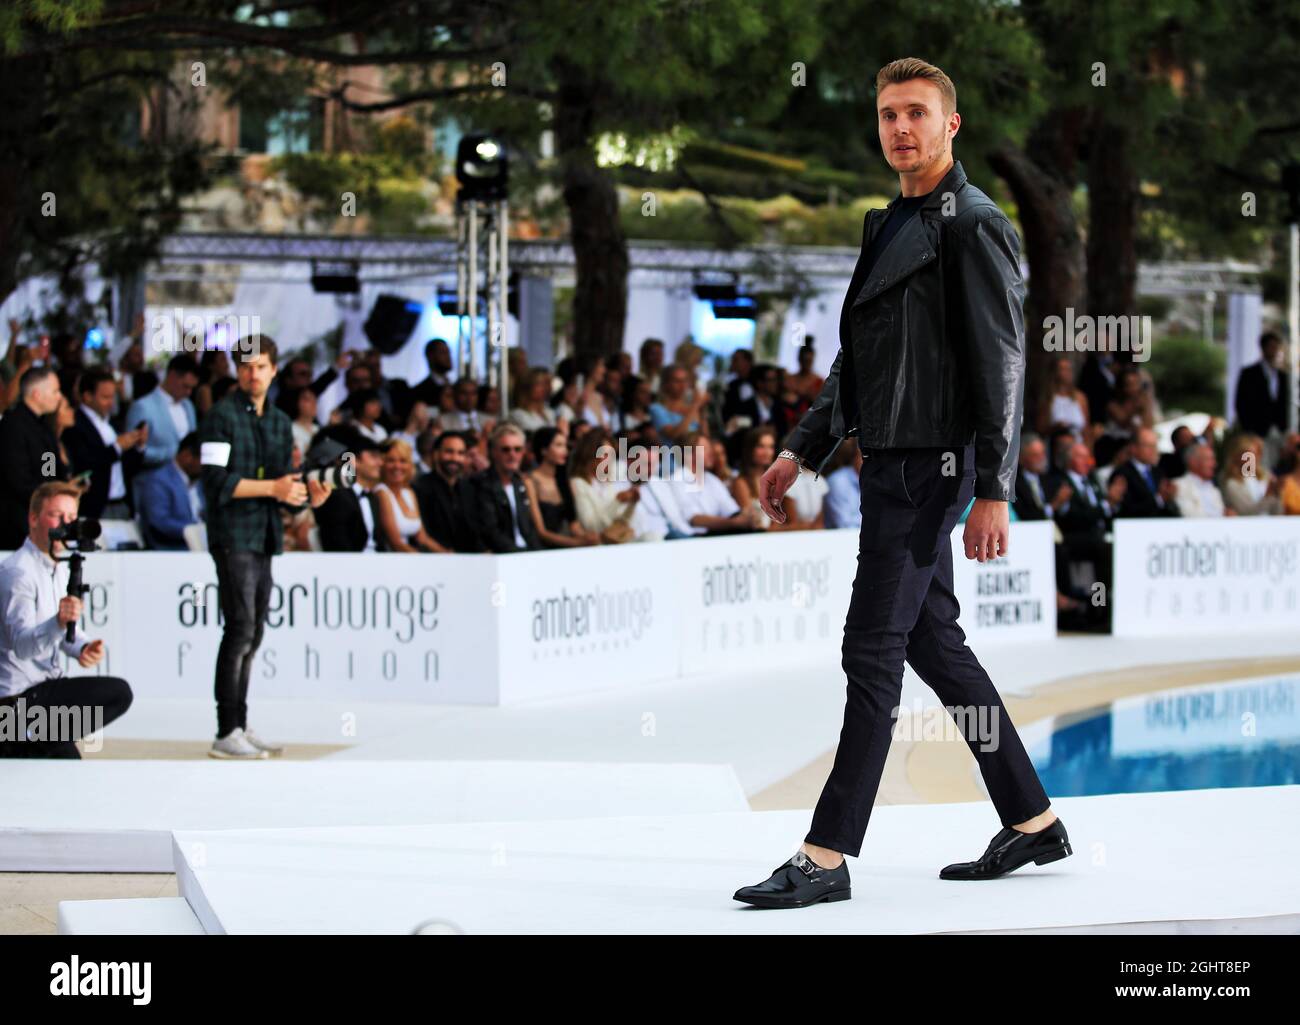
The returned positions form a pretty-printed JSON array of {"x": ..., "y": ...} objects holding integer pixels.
[{"x": 246, "y": 450}]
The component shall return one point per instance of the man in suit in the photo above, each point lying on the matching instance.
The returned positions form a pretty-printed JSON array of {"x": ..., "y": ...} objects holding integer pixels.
[
  {"x": 94, "y": 445},
  {"x": 347, "y": 519},
  {"x": 502, "y": 510},
  {"x": 1172, "y": 464},
  {"x": 1263, "y": 389},
  {"x": 168, "y": 411},
  {"x": 1037, "y": 498},
  {"x": 29, "y": 452},
  {"x": 447, "y": 497},
  {"x": 1097, "y": 382},
  {"x": 739, "y": 388},
  {"x": 1084, "y": 519},
  {"x": 171, "y": 499},
  {"x": 1148, "y": 491},
  {"x": 437, "y": 354}
]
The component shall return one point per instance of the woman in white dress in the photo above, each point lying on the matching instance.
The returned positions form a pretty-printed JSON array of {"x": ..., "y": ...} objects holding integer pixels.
[
  {"x": 1063, "y": 406},
  {"x": 396, "y": 504},
  {"x": 531, "y": 410}
]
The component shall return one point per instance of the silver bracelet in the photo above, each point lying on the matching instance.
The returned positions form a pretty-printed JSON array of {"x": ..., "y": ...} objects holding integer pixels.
[{"x": 785, "y": 453}]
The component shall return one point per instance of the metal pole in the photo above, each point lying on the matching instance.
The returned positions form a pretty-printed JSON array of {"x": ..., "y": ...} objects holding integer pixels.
[
  {"x": 471, "y": 299},
  {"x": 503, "y": 302},
  {"x": 490, "y": 319},
  {"x": 1293, "y": 318}
]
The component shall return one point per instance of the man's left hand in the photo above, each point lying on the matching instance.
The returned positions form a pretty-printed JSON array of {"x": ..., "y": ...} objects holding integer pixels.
[
  {"x": 988, "y": 530},
  {"x": 92, "y": 653}
]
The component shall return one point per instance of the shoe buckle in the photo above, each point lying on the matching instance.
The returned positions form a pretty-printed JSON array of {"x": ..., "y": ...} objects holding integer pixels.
[{"x": 803, "y": 863}]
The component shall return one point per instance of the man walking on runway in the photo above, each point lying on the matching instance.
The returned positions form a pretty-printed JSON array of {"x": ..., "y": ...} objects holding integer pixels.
[{"x": 930, "y": 376}]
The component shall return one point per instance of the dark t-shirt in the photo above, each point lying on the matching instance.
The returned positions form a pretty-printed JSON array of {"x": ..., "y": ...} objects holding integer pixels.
[{"x": 903, "y": 208}]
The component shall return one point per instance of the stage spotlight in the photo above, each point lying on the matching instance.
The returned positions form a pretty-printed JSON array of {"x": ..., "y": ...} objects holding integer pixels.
[
  {"x": 334, "y": 277},
  {"x": 391, "y": 322},
  {"x": 742, "y": 307},
  {"x": 482, "y": 167}
]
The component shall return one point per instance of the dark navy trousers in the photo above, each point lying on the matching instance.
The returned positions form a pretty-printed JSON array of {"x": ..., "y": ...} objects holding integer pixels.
[{"x": 903, "y": 608}]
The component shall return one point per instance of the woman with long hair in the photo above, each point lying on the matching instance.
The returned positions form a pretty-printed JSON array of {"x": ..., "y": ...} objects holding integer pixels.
[
  {"x": 398, "y": 508},
  {"x": 530, "y": 410},
  {"x": 549, "y": 495},
  {"x": 1061, "y": 405},
  {"x": 1248, "y": 488},
  {"x": 757, "y": 451},
  {"x": 605, "y": 506}
]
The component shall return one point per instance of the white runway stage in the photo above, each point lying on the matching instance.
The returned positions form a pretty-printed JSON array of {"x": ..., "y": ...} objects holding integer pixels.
[
  {"x": 566, "y": 815},
  {"x": 1176, "y": 859},
  {"x": 112, "y": 816}
]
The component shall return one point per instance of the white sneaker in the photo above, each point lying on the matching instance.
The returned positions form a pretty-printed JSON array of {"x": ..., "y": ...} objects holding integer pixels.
[
  {"x": 274, "y": 750},
  {"x": 235, "y": 745}
]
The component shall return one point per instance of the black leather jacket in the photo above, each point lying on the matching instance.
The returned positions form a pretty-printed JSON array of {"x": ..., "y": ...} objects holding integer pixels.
[{"x": 932, "y": 345}]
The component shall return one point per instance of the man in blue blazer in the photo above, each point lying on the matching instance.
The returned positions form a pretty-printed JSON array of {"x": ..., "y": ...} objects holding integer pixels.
[
  {"x": 168, "y": 502},
  {"x": 168, "y": 411}
]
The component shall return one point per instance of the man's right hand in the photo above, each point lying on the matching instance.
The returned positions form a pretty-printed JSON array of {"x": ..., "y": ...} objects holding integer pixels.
[
  {"x": 69, "y": 610},
  {"x": 773, "y": 485},
  {"x": 290, "y": 489}
]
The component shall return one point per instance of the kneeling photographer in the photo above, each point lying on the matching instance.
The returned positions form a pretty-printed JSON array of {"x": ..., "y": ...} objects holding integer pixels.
[{"x": 42, "y": 712}]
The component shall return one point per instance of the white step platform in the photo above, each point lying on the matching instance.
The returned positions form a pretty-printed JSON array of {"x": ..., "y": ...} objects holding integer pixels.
[
  {"x": 132, "y": 916},
  {"x": 118, "y": 816},
  {"x": 1169, "y": 860}
]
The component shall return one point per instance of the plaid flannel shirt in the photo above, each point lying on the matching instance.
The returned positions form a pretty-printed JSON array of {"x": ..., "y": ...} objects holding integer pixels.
[{"x": 236, "y": 443}]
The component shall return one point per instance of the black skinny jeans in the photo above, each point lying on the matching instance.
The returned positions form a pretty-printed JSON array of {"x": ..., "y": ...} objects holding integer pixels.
[
  {"x": 244, "y": 584},
  {"x": 84, "y": 702},
  {"x": 903, "y": 607}
]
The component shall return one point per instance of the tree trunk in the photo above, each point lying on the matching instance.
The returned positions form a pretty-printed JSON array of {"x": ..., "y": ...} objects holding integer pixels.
[
  {"x": 1042, "y": 185},
  {"x": 1112, "y": 222},
  {"x": 22, "y": 97},
  {"x": 599, "y": 246}
]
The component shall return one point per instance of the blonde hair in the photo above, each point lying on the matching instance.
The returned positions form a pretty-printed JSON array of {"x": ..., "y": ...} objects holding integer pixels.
[
  {"x": 48, "y": 490},
  {"x": 907, "y": 68},
  {"x": 399, "y": 446},
  {"x": 1237, "y": 447}
]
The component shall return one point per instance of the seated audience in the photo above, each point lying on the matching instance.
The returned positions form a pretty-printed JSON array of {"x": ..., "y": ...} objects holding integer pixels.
[
  {"x": 691, "y": 500},
  {"x": 446, "y": 496},
  {"x": 1195, "y": 491},
  {"x": 171, "y": 499},
  {"x": 554, "y": 517},
  {"x": 397, "y": 504},
  {"x": 844, "y": 486},
  {"x": 606, "y": 503},
  {"x": 1148, "y": 493},
  {"x": 346, "y": 520},
  {"x": 503, "y": 512},
  {"x": 1249, "y": 489}
]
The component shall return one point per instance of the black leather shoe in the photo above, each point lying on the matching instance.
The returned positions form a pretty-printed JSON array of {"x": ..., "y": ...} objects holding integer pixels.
[
  {"x": 798, "y": 883},
  {"x": 1010, "y": 849}
]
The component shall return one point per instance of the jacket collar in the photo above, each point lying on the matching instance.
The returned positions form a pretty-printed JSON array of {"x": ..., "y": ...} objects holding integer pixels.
[
  {"x": 951, "y": 182},
  {"x": 909, "y": 250}
]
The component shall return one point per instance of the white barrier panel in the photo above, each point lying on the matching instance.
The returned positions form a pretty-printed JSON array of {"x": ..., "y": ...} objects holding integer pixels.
[
  {"x": 762, "y": 601},
  {"x": 584, "y": 619},
  {"x": 376, "y": 626},
  {"x": 1012, "y": 598},
  {"x": 1178, "y": 576},
  {"x": 483, "y": 629}
]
